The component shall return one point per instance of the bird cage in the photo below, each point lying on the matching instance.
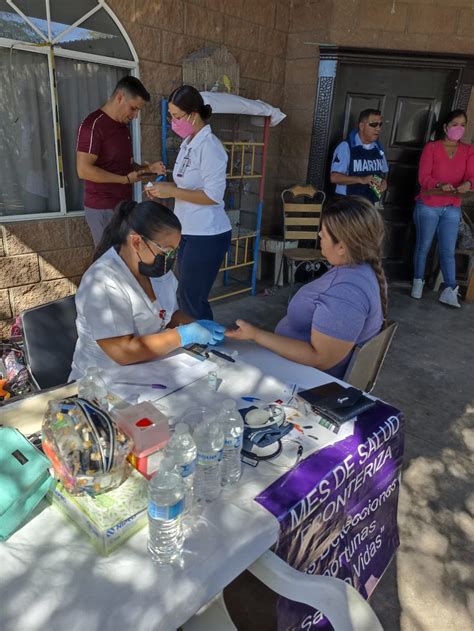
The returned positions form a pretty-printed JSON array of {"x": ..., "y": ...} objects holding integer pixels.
[{"x": 213, "y": 70}]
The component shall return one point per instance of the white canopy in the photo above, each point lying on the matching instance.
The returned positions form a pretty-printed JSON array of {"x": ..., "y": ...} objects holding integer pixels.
[{"x": 223, "y": 103}]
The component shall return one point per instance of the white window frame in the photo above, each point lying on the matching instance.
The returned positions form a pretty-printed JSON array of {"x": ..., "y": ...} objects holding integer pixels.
[{"x": 72, "y": 54}]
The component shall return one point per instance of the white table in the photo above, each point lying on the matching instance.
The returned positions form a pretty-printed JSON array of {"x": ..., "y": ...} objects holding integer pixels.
[{"x": 52, "y": 579}]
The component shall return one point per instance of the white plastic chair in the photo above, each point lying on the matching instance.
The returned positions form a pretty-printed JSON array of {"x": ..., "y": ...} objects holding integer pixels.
[
  {"x": 212, "y": 617},
  {"x": 338, "y": 601}
]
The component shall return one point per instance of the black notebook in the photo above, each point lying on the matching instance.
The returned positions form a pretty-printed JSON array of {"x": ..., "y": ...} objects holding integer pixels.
[{"x": 337, "y": 403}]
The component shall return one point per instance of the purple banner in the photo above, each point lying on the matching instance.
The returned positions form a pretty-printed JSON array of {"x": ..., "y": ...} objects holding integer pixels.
[{"x": 338, "y": 511}]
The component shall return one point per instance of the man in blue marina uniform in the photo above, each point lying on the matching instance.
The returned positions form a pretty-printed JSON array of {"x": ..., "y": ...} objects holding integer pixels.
[{"x": 359, "y": 166}]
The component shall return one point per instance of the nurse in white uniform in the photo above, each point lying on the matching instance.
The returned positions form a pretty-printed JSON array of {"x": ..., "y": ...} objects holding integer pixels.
[
  {"x": 126, "y": 303},
  {"x": 199, "y": 176}
]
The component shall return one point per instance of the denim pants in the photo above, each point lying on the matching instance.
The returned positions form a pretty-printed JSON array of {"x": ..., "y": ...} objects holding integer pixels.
[
  {"x": 445, "y": 221},
  {"x": 199, "y": 260}
]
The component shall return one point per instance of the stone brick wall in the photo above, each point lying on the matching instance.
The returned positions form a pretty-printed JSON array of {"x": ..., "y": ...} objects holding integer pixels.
[
  {"x": 40, "y": 261},
  {"x": 443, "y": 26}
]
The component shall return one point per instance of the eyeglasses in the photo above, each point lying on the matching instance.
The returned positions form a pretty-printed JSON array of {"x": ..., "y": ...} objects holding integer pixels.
[
  {"x": 168, "y": 254},
  {"x": 375, "y": 124},
  {"x": 170, "y": 117}
]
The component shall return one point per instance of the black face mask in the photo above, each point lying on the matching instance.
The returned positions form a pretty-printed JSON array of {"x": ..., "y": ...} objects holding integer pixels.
[{"x": 160, "y": 266}]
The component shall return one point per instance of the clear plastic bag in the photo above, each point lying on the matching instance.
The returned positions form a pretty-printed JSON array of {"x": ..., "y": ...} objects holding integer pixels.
[{"x": 87, "y": 450}]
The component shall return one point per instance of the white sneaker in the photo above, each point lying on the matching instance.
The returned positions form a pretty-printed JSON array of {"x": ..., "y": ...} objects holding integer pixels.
[
  {"x": 449, "y": 296},
  {"x": 417, "y": 288}
]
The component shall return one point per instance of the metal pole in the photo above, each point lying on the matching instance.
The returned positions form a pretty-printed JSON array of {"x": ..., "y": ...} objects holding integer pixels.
[
  {"x": 164, "y": 131},
  {"x": 261, "y": 192}
]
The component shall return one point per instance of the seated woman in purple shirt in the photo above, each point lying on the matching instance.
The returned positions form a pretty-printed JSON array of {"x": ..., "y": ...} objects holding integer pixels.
[{"x": 344, "y": 307}]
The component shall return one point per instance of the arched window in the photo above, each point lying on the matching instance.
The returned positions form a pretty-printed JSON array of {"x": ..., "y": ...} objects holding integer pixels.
[{"x": 59, "y": 61}]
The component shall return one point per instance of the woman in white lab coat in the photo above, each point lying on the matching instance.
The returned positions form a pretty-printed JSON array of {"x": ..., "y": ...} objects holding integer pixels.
[
  {"x": 126, "y": 303},
  {"x": 199, "y": 176}
]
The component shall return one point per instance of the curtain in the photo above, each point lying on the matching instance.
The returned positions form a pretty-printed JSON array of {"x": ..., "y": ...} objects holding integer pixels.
[
  {"x": 28, "y": 169},
  {"x": 28, "y": 174}
]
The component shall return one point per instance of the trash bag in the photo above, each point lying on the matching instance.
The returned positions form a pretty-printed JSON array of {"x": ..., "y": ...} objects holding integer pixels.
[{"x": 465, "y": 234}]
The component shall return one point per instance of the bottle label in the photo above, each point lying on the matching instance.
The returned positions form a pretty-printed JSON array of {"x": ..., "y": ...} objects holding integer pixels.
[
  {"x": 208, "y": 459},
  {"x": 165, "y": 513},
  {"x": 188, "y": 469},
  {"x": 220, "y": 455},
  {"x": 233, "y": 442}
]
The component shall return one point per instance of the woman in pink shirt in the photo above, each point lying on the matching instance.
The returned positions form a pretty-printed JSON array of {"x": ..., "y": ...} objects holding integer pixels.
[{"x": 447, "y": 165}]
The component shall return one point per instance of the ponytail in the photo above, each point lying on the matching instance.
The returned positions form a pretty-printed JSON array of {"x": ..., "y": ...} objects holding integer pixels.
[
  {"x": 382, "y": 281},
  {"x": 112, "y": 235},
  {"x": 147, "y": 219}
]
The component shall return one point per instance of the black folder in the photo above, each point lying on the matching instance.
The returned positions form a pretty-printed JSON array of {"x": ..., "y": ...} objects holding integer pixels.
[{"x": 337, "y": 403}]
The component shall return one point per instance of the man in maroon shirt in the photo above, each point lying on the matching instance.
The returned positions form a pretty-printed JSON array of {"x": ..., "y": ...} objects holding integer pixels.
[{"x": 105, "y": 156}]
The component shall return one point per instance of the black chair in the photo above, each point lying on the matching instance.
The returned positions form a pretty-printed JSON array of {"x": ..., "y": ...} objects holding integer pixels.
[
  {"x": 367, "y": 359},
  {"x": 50, "y": 335}
]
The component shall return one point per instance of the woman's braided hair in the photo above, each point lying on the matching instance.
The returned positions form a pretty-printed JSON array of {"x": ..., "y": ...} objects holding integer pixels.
[{"x": 356, "y": 223}]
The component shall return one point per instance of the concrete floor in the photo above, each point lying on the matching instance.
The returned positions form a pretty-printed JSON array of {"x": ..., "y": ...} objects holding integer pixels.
[{"x": 429, "y": 375}]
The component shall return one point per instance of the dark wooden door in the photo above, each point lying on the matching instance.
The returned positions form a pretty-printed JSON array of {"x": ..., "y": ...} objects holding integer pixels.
[{"x": 412, "y": 101}]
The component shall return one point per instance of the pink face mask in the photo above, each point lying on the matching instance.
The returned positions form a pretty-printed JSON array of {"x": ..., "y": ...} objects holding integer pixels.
[
  {"x": 456, "y": 132},
  {"x": 182, "y": 127}
]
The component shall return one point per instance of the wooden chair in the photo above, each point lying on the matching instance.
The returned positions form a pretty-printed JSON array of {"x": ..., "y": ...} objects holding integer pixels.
[
  {"x": 469, "y": 282},
  {"x": 367, "y": 359},
  {"x": 302, "y": 208}
]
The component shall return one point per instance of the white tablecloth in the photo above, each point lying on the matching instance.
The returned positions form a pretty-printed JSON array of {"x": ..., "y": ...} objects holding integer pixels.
[{"x": 52, "y": 579}]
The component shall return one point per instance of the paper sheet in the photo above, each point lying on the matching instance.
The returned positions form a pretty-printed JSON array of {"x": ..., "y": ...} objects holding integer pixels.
[{"x": 174, "y": 372}]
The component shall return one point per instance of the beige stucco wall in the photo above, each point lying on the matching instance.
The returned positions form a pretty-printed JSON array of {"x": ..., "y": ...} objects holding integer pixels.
[
  {"x": 442, "y": 26},
  {"x": 40, "y": 261},
  {"x": 276, "y": 43}
]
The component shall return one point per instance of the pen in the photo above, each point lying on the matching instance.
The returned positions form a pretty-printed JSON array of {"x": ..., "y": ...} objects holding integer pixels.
[
  {"x": 158, "y": 386},
  {"x": 299, "y": 453},
  {"x": 222, "y": 355}
]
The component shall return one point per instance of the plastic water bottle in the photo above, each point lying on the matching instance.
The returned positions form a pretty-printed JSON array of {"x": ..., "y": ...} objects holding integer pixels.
[
  {"x": 85, "y": 385},
  {"x": 165, "y": 509},
  {"x": 92, "y": 387},
  {"x": 182, "y": 448},
  {"x": 209, "y": 439},
  {"x": 233, "y": 427}
]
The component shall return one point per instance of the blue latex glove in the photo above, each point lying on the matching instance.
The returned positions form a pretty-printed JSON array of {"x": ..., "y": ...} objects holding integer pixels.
[
  {"x": 217, "y": 330},
  {"x": 195, "y": 333}
]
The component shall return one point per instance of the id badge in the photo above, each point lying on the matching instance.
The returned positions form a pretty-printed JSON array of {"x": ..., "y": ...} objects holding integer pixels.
[{"x": 184, "y": 164}]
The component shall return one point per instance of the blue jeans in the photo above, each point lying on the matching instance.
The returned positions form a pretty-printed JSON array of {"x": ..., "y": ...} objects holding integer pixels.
[
  {"x": 199, "y": 260},
  {"x": 445, "y": 221}
]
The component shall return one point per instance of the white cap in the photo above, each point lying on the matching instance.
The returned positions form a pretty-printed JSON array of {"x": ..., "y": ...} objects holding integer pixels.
[{"x": 181, "y": 428}]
